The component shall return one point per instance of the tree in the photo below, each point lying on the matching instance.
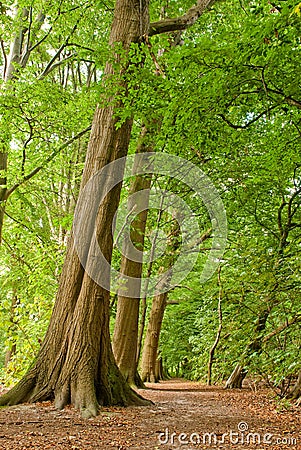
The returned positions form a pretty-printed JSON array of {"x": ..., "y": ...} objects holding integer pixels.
[
  {"x": 42, "y": 155},
  {"x": 41, "y": 59},
  {"x": 246, "y": 98},
  {"x": 151, "y": 343},
  {"x": 75, "y": 363},
  {"x": 127, "y": 316},
  {"x": 126, "y": 326}
]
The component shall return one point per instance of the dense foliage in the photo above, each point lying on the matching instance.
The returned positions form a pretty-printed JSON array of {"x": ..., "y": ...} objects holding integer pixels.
[{"x": 227, "y": 97}]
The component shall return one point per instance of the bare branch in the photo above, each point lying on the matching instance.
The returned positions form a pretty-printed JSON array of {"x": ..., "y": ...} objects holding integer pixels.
[
  {"x": 293, "y": 102},
  {"x": 280, "y": 209},
  {"x": 290, "y": 211},
  {"x": 15, "y": 255},
  {"x": 49, "y": 65},
  {"x": 159, "y": 70}
]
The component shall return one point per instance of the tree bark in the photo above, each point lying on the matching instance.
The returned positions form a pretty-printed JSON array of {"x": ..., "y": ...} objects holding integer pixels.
[
  {"x": 236, "y": 378},
  {"x": 143, "y": 304},
  {"x": 151, "y": 344},
  {"x": 219, "y": 330},
  {"x": 181, "y": 22},
  {"x": 15, "y": 54},
  {"x": 159, "y": 370},
  {"x": 149, "y": 358},
  {"x": 75, "y": 363},
  {"x": 127, "y": 317}
]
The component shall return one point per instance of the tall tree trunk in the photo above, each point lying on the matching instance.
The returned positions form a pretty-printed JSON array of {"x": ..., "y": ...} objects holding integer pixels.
[
  {"x": 236, "y": 378},
  {"x": 75, "y": 363},
  {"x": 239, "y": 373},
  {"x": 150, "y": 349},
  {"x": 126, "y": 325},
  {"x": 159, "y": 369},
  {"x": 149, "y": 358},
  {"x": 143, "y": 305},
  {"x": 15, "y": 54},
  {"x": 219, "y": 330}
]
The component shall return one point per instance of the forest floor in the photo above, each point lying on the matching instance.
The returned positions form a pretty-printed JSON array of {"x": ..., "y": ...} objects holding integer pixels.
[{"x": 185, "y": 415}]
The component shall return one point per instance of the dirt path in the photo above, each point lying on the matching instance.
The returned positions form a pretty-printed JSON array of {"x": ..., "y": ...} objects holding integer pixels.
[{"x": 208, "y": 418}]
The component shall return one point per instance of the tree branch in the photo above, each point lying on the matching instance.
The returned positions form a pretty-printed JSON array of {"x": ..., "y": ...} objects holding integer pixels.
[
  {"x": 4, "y": 57},
  {"x": 182, "y": 22},
  {"x": 242, "y": 127},
  {"x": 50, "y": 68},
  {"x": 287, "y": 98},
  {"x": 281, "y": 328},
  {"x": 293, "y": 102},
  {"x": 23, "y": 58},
  {"x": 50, "y": 65},
  {"x": 40, "y": 41},
  {"x": 47, "y": 161},
  {"x": 33, "y": 29}
]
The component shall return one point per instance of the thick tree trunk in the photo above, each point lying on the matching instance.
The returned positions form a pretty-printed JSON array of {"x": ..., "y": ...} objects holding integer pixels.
[
  {"x": 75, "y": 363},
  {"x": 126, "y": 325}
]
